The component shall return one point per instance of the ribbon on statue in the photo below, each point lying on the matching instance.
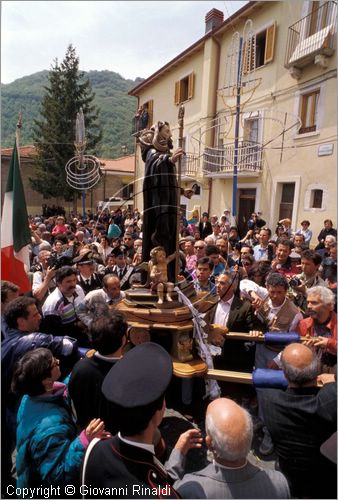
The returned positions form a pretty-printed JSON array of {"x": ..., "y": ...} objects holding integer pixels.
[{"x": 211, "y": 386}]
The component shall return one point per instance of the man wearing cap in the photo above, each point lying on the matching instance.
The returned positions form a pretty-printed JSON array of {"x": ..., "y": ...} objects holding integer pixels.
[
  {"x": 86, "y": 278},
  {"x": 122, "y": 269},
  {"x": 125, "y": 465}
]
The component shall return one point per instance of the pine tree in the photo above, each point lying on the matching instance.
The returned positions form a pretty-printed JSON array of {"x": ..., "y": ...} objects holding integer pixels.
[{"x": 54, "y": 134}]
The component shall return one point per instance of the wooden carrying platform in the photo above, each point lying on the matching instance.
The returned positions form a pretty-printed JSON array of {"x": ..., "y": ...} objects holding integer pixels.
[{"x": 169, "y": 324}]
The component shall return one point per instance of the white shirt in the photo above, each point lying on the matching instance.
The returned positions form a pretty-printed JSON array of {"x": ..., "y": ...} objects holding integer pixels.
[
  {"x": 148, "y": 447},
  {"x": 222, "y": 312}
]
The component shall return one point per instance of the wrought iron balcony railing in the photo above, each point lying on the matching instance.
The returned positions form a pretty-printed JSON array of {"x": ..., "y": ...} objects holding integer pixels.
[
  {"x": 311, "y": 36},
  {"x": 221, "y": 160},
  {"x": 189, "y": 165}
]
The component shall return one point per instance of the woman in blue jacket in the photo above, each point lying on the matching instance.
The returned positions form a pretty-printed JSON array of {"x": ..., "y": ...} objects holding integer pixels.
[{"x": 49, "y": 452}]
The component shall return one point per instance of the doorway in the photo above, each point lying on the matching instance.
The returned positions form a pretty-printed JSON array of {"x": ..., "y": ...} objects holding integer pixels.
[
  {"x": 287, "y": 200},
  {"x": 246, "y": 206}
]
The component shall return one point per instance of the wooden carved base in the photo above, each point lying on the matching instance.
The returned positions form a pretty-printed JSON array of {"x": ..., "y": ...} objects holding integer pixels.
[{"x": 169, "y": 325}]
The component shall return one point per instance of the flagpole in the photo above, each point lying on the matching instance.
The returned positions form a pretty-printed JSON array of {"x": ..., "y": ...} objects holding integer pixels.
[
  {"x": 18, "y": 133},
  {"x": 15, "y": 231}
]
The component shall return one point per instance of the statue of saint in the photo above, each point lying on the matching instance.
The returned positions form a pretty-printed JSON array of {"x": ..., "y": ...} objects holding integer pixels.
[{"x": 160, "y": 191}]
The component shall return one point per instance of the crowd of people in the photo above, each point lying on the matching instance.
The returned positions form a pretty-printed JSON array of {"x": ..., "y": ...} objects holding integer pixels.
[{"x": 74, "y": 398}]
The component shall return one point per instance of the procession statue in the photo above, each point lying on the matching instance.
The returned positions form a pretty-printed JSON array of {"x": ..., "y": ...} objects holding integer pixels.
[{"x": 160, "y": 192}]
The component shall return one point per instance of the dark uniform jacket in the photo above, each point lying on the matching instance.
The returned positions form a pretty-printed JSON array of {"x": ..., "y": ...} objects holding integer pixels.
[
  {"x": 95, "y": 282},
  {"x": 299, "y": 421},
  {"x": 86, "y": 379},
  {"x": 121, "y": 470},
  {"x": 237, "y": 354}
]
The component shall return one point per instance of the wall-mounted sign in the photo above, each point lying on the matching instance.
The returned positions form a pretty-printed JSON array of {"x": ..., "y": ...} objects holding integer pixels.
[{"x": 325, "y": 150}]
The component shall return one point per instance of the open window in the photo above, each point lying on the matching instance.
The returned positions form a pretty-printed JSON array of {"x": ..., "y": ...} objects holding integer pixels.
[
  {"x": 184, "y": 89},
  {"x": 260, "y": 49}
]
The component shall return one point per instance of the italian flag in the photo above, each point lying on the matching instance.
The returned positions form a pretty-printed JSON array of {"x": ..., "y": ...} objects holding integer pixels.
[{"x": 15, "y": 232}]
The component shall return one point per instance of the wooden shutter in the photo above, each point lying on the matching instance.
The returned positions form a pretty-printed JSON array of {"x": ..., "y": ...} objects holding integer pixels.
[
  {"x": 245, "y": 58},
  {"x": 177, "y": 92},
  {"x": 248, "y": 55},
  {"x": 270, "y": 43},
  {"x": 191, "y": 85},
  {"x": 150, "y": 113}
]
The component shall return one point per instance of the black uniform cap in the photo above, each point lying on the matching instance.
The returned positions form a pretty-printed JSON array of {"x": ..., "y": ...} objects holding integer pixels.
[
  {"x": 140, "y": 377},
  {"x": 117, "y": 251}
]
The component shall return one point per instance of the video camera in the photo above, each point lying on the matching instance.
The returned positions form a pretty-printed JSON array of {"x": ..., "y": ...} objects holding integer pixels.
[{"x": 55, "y": 261}]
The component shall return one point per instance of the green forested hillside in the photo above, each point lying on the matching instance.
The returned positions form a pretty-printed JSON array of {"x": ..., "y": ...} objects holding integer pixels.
[{"x": 116, "y": 108}]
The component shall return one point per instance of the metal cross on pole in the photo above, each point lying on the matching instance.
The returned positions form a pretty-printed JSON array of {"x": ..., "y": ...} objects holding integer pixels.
[{"x": 83, "y": 171}]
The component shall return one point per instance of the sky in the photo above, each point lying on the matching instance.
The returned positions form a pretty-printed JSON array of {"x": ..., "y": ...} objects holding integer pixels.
[{"x": 132, "y": 38}]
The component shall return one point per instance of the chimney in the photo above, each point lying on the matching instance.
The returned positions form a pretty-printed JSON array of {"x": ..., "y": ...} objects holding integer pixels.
[{"x": 213, "y": 19}]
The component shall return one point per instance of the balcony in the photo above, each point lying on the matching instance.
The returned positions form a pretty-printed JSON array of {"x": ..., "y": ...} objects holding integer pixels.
[
  {"x": 189, "y": 166},
  {"x": 312, "y": 39},
  {"x": 219, "y": 162}
]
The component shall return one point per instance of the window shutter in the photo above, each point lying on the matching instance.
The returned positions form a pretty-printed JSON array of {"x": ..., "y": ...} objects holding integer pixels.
[
  {"x": 150, "y": 113},
  {"x": 270, "y": 43},
  {"x": 191, "y": 85},
  {"x": 177, "y": 92},
  {"x": 248, "y": 56}
]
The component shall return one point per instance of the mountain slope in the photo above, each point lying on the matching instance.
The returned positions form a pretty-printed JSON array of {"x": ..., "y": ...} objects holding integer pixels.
[{"x": 116, "y": 108}]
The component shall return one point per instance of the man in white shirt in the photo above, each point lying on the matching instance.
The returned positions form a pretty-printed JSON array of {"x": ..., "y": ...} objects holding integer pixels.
[
  {"x": 234, "y": 315},
  {"x": 100, "y": 301},
  {"x": 261, "y": 250}
]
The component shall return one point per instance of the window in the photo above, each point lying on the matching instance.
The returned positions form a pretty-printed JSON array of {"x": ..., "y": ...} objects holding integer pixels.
[
  {"x": 319, "y": 14},
  {"x": 184, "y": 89},
  {"x": 316, "y": 198},
  {"x": 309, "y": 111},
  {"x": 147, "y": 114},
  {"x": 127, "y": 191},
  {"x": 259, "y": 50}
]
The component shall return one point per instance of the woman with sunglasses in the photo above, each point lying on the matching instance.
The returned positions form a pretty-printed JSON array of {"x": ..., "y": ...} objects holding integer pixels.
[{"x": 50, "y": 452}]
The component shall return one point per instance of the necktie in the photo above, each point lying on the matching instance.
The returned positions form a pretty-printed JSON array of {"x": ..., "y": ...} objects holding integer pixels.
[
  {"x": 87, "y": 282},
  {"x": 120, "y": 274}
]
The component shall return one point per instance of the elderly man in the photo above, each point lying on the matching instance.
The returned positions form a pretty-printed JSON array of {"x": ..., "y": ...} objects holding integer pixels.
[
  {"x": 300, "y": 419},
  {"x": 321, "y": 325},
  {"x": 231, "y": 474},
  {"x": 100, "y": 301}
]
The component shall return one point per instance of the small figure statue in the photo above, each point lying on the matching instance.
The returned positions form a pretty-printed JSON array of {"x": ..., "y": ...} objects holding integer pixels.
[
  {"x": 158, "y": 273},
  {"x": 184, "y": 348}
]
